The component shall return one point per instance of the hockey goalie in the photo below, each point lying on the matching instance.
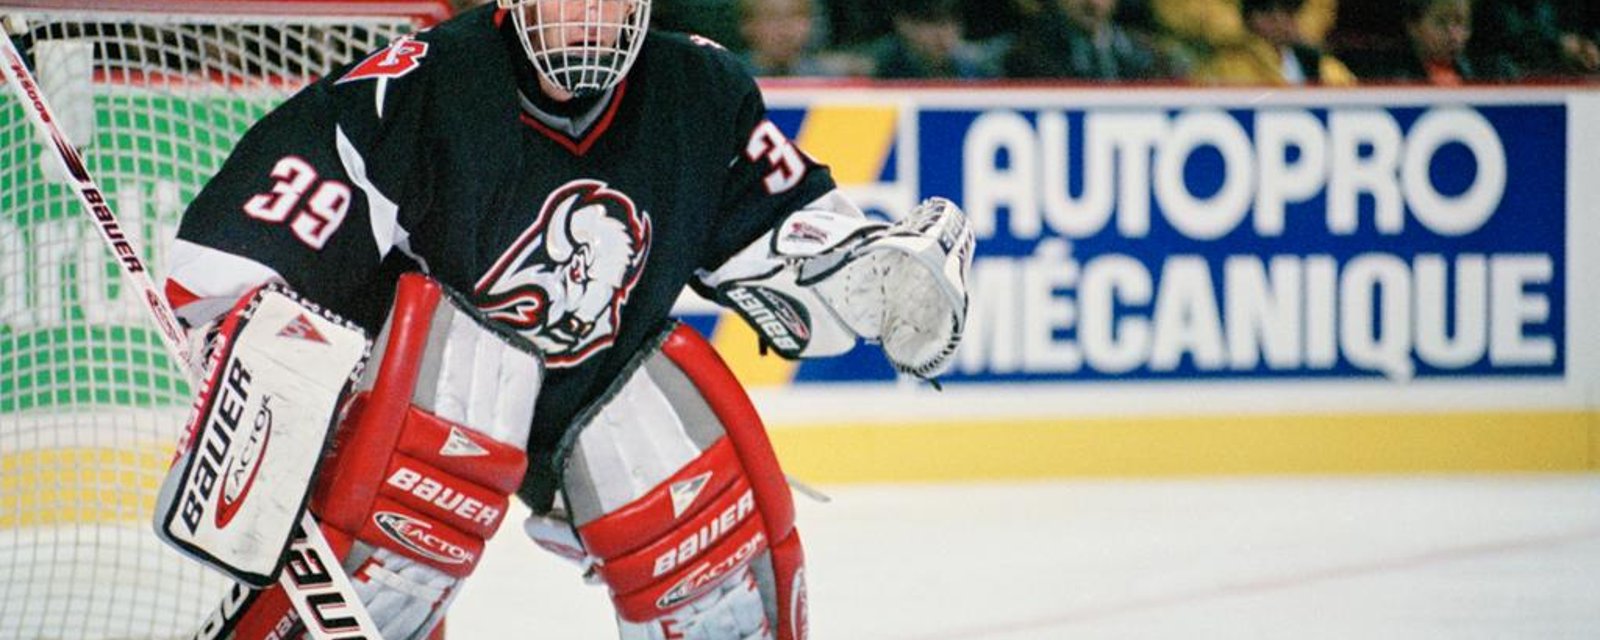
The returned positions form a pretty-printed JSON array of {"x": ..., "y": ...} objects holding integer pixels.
[{"x": 505, "y": 208}]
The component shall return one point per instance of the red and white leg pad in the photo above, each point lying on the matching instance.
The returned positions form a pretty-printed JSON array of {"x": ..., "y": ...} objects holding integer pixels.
[
  {"x": 677, "y": 496},
  {"x": 425, "y": 461}
]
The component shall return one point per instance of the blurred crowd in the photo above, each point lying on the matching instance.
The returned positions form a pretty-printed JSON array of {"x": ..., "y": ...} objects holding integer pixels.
[{"x": 1254, "y": 42}]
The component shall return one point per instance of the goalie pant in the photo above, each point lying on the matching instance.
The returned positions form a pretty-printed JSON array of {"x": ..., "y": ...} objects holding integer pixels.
[
  {"x": 678, "y": 503},
  {"x": 422, "y": 468}
]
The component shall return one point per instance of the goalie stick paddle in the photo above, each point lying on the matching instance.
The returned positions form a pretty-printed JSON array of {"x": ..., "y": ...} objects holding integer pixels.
[{"x": 313, "y": 602}]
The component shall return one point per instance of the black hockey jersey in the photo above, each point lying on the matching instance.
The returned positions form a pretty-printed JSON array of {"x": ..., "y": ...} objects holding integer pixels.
[{"x": 577, "y": 227}]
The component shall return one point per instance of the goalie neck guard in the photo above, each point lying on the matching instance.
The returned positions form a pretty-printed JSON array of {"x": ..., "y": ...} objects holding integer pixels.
[{"x": 582, "y": 47}]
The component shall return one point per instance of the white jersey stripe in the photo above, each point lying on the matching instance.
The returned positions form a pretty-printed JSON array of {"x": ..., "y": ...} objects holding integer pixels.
[
  {"x": 381, "y": 211},
  {"x": 216, "y": 276}
]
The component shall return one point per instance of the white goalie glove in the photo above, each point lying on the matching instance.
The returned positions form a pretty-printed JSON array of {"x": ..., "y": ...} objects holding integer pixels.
[
  {"x": 828, "y": 275},
  {"x": 906, "y": 288}
]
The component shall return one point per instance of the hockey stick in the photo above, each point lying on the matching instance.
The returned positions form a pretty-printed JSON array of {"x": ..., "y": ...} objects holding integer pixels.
[{"x": 328, "y": 601}]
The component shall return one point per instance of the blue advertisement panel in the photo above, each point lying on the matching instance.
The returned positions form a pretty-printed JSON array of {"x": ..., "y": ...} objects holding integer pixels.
[{"x": 1266, "y": 243}]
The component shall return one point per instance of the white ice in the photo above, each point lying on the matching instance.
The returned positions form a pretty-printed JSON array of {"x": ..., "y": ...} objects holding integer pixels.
[{"x": 1337, "y": 558}]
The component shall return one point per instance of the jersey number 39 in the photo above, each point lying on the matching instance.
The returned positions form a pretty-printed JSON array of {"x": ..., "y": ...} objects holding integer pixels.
[{"x": 313, "y": 218}]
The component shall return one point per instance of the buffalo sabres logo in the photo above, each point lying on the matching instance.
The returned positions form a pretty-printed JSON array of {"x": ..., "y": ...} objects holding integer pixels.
[{"x": 565, "y": 279}]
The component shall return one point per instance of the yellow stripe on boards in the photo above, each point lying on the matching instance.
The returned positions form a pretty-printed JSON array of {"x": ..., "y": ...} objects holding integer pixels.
[
  {"x": 1164, "y": 447},
  {"x": 101, "y": 485},
  {"x": 1594, "y": 440},
  {"x": 79, "y": 486},
  {"x": 853, "y": 140}
]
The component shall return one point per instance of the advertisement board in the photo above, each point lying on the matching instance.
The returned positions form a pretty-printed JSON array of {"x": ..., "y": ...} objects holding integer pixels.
[
  {"x": 1178, "y": 263},
  {"x": 1371, "y": 279}
]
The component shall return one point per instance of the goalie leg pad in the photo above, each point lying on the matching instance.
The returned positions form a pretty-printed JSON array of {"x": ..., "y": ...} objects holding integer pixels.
[
  {"x": 675, "y": 492},
  {"x": 422, "y": 472},
  {"x": 424, "y": 462}
]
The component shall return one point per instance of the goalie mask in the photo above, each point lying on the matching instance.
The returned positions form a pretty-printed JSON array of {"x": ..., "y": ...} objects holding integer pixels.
[{"x": 583, "y": 47}]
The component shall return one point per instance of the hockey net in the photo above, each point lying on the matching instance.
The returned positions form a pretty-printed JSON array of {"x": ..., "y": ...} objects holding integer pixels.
[{"x": 155, "y": 93}]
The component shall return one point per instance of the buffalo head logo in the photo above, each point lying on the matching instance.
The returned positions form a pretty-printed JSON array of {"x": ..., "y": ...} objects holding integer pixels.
[{"x": 565, "y": 279}]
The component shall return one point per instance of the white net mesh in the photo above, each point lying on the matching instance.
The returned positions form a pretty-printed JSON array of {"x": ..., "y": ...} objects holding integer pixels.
[{"x": 90, "y": 403}]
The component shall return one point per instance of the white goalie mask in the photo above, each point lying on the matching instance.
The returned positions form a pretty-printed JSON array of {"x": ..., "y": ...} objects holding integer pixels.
[{"x": 583, "y": 47}]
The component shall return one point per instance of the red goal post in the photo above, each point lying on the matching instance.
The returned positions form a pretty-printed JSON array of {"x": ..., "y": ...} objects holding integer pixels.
[{"x": 155, "y": 93}]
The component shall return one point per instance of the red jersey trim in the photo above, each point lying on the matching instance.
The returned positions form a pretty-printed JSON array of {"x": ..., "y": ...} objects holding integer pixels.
[{"x": 580, "y": 147}]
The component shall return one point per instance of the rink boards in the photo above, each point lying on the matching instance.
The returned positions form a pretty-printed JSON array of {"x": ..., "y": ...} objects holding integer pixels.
[
  {"x": 1167, "y": 282},
  {"x": 1176, "y": 282}
]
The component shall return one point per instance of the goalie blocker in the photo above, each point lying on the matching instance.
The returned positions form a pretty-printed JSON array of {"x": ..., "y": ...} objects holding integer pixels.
[
  {"x": 278, "y": 370},
  {"x": 674, "y": 499},
  {"x": 420, "y": 470}
]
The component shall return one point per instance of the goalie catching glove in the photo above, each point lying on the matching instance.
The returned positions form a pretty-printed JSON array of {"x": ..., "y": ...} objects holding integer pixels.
[
  {"x": 906, "y": 288},
  {"x": 828, "y": 275}
]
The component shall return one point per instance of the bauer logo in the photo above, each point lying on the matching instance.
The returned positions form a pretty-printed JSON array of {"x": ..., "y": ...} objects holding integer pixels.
[
  {"x": 441, "y": 495},
  {"x": 685, "y": 492},
  {"x": 708, "y": 575},
  {"x": 460, "y": 445},
  {"x": 706, "y": 536},
  {"x": 301, "y": 328},
  {"x": 246, "y": 465},
  {"x": 418, "y": 537},
  {"x": 779, "y": 318},
  {"x": 221, "y": 431}
]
